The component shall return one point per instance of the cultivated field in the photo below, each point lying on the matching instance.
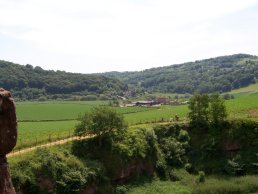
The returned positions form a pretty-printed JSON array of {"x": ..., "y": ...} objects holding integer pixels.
[{"x": 50, "y": 121}]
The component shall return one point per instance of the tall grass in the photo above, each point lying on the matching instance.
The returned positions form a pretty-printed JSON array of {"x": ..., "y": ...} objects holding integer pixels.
[{"x": 247, "y": 184}]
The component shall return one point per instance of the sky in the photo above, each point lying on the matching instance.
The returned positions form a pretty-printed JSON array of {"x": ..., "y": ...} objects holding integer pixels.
[{"x": 124, "y": 35}]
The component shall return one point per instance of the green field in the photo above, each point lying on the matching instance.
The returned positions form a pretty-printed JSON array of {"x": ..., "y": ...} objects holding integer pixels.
[
  {"x": 35, "y": 133},
  {"x": 49, "y": 121},
  {"x": 53, "y": 120},
  {"x": 217, "y": 185},
  {"x": 63, "y": 110},
  {"x": 251, "y": 89}
]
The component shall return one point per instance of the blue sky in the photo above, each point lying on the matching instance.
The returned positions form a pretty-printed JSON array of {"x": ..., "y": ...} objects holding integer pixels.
[{"x": 124, "y": 35}]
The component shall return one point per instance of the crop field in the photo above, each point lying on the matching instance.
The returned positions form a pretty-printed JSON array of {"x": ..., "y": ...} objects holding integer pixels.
[
  {"x": 48, "y": 121},
  {"x": 243, "y": 107},
  {"x": 165, "y": 112},
  {"x": 35, "y": 133},
  {"x": 37, "y": 111}
]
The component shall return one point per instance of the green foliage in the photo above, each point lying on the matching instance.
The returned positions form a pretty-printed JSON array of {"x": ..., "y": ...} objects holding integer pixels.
[
  {"x": 174, "y": 142},
  {"x": 217, "y": 112},
  {"x": 89, "y": 98},
  {"x": 219, "y": 74},
  {"x": 242, "y": 185},
  {"x": 179, "y": 174},
  {"x": 231, "y": 151},
  {"x": 100, "y": 121},
  {"x": 161, "y": 187},
  {"x": 200, "y": 177},
  {"x": 206, "y": 111},
  {"x": 132, "y": 144},
  {"x": 186, "y": 184},
  {"x": 234, "y": 167},
  {"x": 121, "y": 189},
  {"x": 62, "y": 171},
  {"x": 27, "y": 82},
  {"x": 243, "y": 134},
  {"x": 198, "y": 114},
  {"x": 163, "y": 148},
  {"x": 135, "y": 147}
]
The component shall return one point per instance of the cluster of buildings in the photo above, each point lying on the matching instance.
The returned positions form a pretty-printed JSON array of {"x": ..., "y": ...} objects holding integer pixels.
[{"x": 152, "y": 103}]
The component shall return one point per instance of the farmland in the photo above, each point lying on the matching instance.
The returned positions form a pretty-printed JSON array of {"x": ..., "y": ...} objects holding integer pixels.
[
  {"x": 40, "y": 122},
  {"x": 62, "y": 110},
  {"x": 49, "y": 121},
  {"x": 32, "y": 133}
]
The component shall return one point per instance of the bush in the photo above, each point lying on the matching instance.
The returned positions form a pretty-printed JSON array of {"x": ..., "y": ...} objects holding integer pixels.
[
  {"x": 103, "y": 97},
  {"x": 42, "y": 98},
  {"x": 161, "y": 168},
  {"x": 180, "y": 175},
  {"x": 201, "y": 177},
  {"x": 65, "y": 173},
  {"x": 121, "y": 189},
  {"x": 174, "y": 142},
  {"x": 189, "y": 168},
  {"x": 89, "y": 98},
  {"x": 234, "y": 167}
]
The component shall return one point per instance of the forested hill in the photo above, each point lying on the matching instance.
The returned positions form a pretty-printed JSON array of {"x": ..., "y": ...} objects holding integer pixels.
[
  {"x": 28, "y": 82},
  {"x": 219, "y": 74}
]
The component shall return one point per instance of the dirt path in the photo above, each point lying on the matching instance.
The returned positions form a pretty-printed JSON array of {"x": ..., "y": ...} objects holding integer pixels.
[{"x": 63, "y": 141}]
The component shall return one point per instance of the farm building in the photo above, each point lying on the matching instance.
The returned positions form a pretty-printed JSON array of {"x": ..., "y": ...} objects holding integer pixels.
[
  {"x": 140, "y": 103},
  {"x": 146, "y": 103}
]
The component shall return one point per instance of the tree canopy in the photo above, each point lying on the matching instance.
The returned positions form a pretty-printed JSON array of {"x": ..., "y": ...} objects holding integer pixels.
[
  {"x": 100, "y": 122},
  {"x": 207, "y": 111},
  {"x": 28, "y": 82},
  {"x": 220, "y": 74}
]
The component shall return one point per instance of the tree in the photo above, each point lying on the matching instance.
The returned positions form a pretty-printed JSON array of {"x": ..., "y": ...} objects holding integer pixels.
[
  {"x": 206, "y": 111},
  {"x": 217, "y": 110},
  {"x": 100, "y": 121},
  {"x": 198, "y": 114}
]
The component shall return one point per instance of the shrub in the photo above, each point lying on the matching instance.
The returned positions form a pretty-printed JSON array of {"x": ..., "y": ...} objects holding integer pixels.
[
  {"x": 174, "y": 142},
  {"x": 65, "y": 173},
  {"x": 201, "y": 177},
  {"x": 189, "y": 168},
  {"x": 121, "y": 189}
]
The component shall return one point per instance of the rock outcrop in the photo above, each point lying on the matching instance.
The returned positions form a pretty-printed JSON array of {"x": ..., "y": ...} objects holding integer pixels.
[{"x": 8, "y": 138}]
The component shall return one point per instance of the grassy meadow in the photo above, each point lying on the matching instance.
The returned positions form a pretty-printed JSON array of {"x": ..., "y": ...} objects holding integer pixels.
[{"x": 188, "y": 185}]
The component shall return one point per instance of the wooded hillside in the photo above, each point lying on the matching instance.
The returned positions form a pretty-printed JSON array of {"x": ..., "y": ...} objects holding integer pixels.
[
  {"x": 28, "y": 82},
  {"x": 219, "y": 74}
]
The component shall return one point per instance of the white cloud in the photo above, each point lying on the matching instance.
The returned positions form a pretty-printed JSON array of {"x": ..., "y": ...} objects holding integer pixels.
[{"x": 121, "y": 34}]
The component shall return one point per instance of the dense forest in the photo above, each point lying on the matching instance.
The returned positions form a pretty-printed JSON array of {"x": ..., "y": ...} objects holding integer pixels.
[
  {"x": 219, "y": 74},
  {"x": 28, "y": 82}
]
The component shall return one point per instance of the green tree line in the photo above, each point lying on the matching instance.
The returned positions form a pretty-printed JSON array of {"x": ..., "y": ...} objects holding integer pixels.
[
  {"x": 219, "y": 74},
  {"x": 28, "y": 82}
]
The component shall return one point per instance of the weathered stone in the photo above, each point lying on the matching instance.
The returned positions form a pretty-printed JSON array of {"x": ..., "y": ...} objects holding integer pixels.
[
  {"x": 8, "y": 138},
  {"x": 6, "y": 186}
]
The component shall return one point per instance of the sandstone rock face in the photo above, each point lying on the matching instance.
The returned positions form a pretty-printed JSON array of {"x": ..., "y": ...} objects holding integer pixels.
[{"x": 8, "y": 138}]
